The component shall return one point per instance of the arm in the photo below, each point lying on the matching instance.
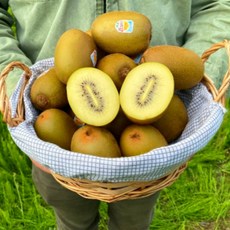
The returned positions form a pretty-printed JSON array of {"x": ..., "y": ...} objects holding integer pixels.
[
  {"x": 210, "y": 24},
  {"x": 9, "y": 46}
]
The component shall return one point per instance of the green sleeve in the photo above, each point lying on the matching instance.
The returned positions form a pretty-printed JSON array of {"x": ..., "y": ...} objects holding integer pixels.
[
  {"x": 9, "y": 46},
  {"x": 210, "y": 24}
]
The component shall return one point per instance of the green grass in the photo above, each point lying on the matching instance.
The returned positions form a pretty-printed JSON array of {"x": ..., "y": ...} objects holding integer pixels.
[{"x": 198, "y": 200}]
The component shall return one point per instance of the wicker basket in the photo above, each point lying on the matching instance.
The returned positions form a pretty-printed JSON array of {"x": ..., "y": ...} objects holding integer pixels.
[{"x": 106, "y": 191}]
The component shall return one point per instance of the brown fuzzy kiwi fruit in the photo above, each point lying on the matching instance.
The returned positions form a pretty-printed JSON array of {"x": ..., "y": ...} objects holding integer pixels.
[
  {"x": 55, "y": 126},
  {"x": 140, "y": 139},
  {"x": 174, "y": 120},
  {"x": 47, "y": 91},
  {"x": 117, "y": 66},
  {"x": 74, "y": 49},
  {"x": 186, "y": 66},
  {"x": 146, "y": 92},
  {"x": 96, "y": 141},
  {"x": 93, "y": 96},
  {"x": 117, "y": 126},
  {"x": 126, "y": 32}
]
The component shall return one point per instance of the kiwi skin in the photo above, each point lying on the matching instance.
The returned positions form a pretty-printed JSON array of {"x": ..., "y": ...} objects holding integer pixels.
[
  {"x": 100, "y": 53},
  {"x": 47, "y": 91},
  {"x": 108, "y": 37},
  {"x": 74, "y": 49},
  {"x": 174, "y": 120},
  {"x": 55, "y": 126},
  {"x": 117, "y": 66},
  {"x": 186, "y": 66},
  {"x": 139, "y": 139},
  {"x": 117, "y": 126},
  {"x": 96, "y": 141}
]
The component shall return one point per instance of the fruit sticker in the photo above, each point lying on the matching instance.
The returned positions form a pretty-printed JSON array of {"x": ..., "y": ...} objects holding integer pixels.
[
  {"x": 93, "y": 57},
  {"x": 124, "y": 26}
]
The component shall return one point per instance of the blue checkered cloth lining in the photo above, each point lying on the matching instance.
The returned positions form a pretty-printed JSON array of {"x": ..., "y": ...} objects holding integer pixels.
[{"x": 205, "y": 118}]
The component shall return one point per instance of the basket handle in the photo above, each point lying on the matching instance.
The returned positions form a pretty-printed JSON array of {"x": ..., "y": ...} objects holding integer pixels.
[
  {"x": 218, "y": 94},
  {"x": 5, "y": 108}
]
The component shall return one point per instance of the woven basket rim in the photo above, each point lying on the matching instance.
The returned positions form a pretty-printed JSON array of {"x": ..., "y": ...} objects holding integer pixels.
[{"x": 110, "y": 191}]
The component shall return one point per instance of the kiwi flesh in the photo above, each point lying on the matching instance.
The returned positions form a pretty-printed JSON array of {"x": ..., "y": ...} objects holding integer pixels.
[
  {"x": 74, "y": 49},
  {"x": 186, "y": 66},
  {"x": 126, "y": 32},
  {"x": 174, "y": 120},
  {"x": 47, "y": 91},
  {"x": 93, "y": 96},
  {"x": 117, "y": 66},
  {"x": 146, "y": 92},
  {"x": 55, "y": 126},
  {"x": 96, "y": 141},
  {"x": 139, "y": 139}
]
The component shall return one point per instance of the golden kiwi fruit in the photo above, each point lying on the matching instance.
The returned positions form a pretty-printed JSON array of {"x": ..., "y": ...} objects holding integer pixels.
[
  {"x": 74, "y": 49},
  {"x": 119, "y": 123},
  {"x": 126, "y": 32},
  {"x": 174, "y": 120},
  {"x": 117, "y": 66},
  {"x": 186, "y": 66},
  {"x": 55, "y": 126},
  {"x": 139, "y": 139},
  {"x": 47, "y": 91},
  {"x": 146, "y": 92},
  {"x": 92, "y": 96},
  {"x": 96, "y": 141},
  {"x": 100, "y": 53}
]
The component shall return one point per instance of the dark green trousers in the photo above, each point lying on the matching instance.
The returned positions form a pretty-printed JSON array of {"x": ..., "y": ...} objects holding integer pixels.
[{"x": 74, "y": 212}]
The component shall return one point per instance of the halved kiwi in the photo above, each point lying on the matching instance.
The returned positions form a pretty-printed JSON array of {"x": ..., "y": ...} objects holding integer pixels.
[
  {"x": 146, "y": 92},
  {"x": 93, "y": 96}
]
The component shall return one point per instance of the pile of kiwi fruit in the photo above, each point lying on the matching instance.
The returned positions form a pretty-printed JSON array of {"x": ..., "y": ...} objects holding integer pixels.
[{"x": 98, "y": 99}]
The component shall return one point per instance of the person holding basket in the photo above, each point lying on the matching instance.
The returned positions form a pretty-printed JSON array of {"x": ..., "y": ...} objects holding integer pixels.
[{"x": 29, "y": 32}]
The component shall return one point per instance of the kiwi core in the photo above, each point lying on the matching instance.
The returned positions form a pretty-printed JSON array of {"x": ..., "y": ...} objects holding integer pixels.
[
  {"x": 145, "y": 94},
  {"x": 93, "y": 97}
]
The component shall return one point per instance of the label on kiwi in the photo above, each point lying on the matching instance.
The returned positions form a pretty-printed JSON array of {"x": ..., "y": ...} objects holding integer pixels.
[
  {"x": 124, "y": 26},
  {"x": 93, "y": 57}
]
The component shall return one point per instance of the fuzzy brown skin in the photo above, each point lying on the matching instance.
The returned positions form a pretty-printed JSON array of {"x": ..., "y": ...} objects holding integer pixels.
[
  {"x": 139, "y": 139},
  {"x": 95, "y": 141},
  {"x": 174, "y": 120},
  {"x": 117, "y": 66},
  {"x": 73, "y": 50},
  {"x": 47, "y": 91},
  {"x": 108, "y": 37}
]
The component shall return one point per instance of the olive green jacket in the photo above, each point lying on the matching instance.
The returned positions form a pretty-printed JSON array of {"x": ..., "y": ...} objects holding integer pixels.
[{"x": 195, "y": 24}]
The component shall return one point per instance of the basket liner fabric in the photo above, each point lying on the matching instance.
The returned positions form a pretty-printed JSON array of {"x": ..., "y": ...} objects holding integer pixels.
[{"x": 205, "y": 118}]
